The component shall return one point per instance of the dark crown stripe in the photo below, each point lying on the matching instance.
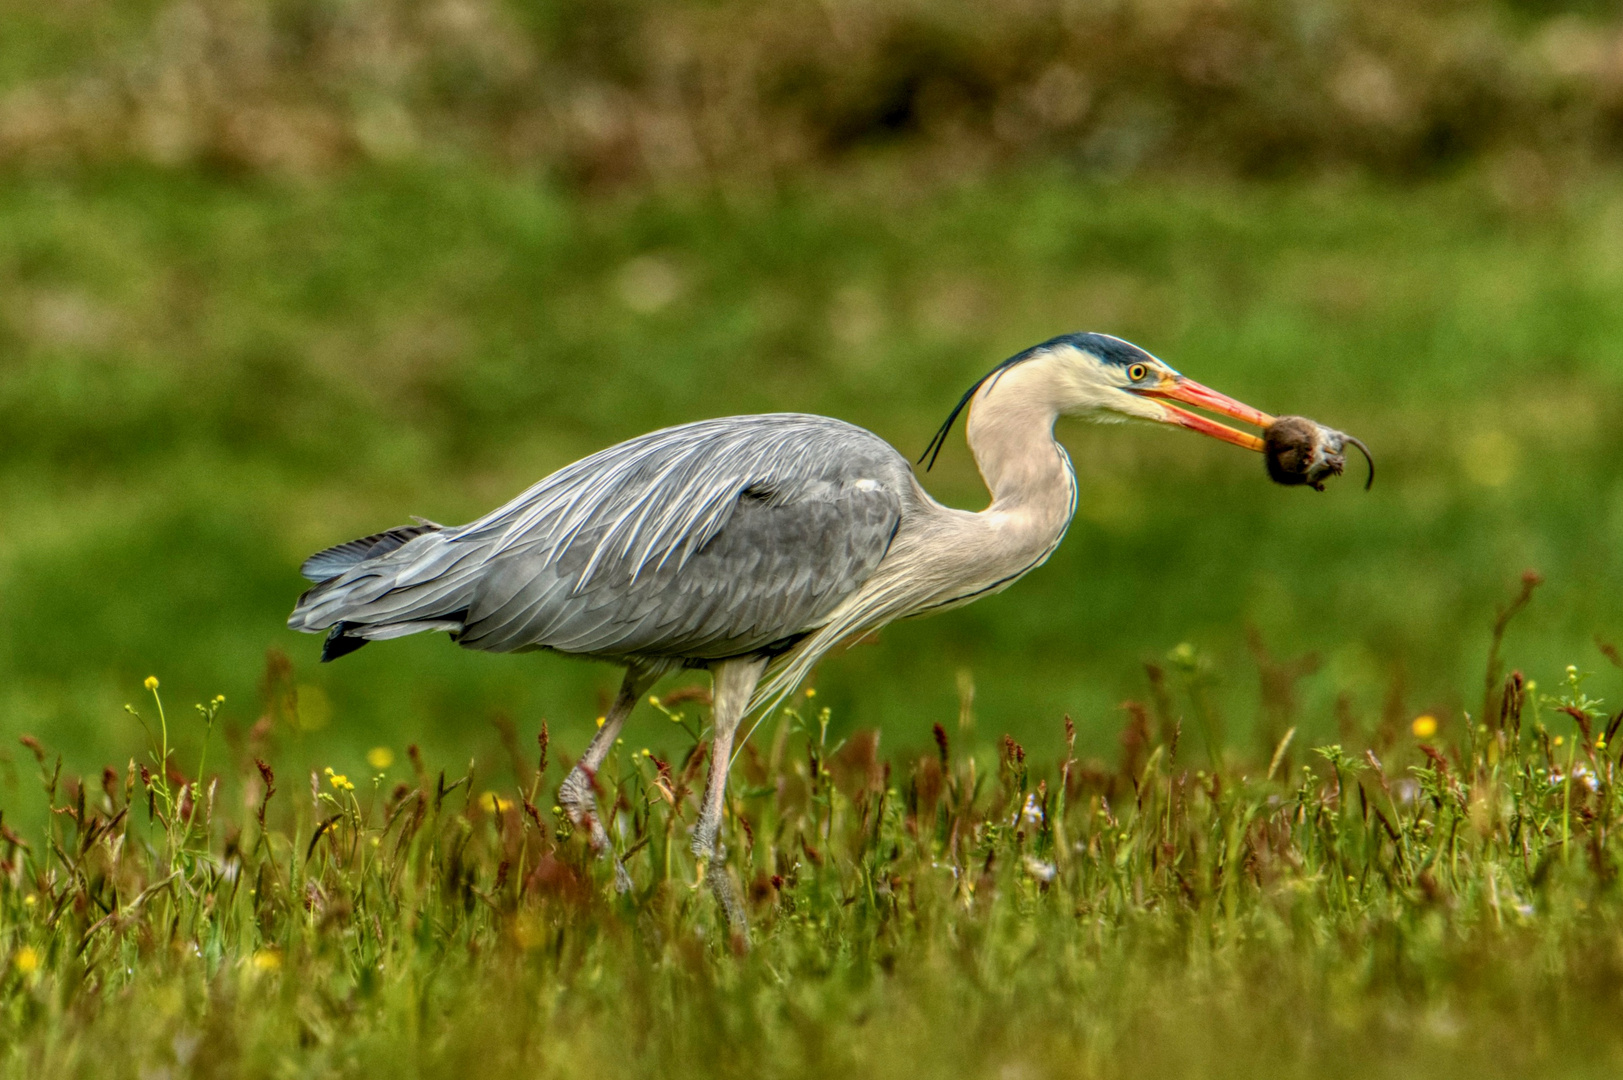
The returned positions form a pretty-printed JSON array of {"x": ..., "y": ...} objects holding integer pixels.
[{"x": 1112, "y": 350}]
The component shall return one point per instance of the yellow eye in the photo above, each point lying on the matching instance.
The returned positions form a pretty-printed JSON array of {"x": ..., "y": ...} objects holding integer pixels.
[{"x": 1137, "y": 372}]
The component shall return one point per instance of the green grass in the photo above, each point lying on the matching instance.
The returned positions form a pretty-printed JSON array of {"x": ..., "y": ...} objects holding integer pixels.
[
  {"x": 204, "y": 379},
  {"x": 1369, "y": 908}
]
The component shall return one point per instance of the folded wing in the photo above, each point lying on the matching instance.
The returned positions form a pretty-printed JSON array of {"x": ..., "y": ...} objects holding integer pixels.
[{"x": 696, "y": 542}]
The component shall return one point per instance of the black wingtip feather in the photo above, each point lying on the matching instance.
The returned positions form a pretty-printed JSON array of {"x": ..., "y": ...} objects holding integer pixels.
[{"x": 339, "y": 643}]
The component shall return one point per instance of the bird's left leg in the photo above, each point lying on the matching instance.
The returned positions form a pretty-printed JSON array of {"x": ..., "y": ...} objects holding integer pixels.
[
  {"x": 733, "y": 683},
  {"x": 575, "y": 793}
]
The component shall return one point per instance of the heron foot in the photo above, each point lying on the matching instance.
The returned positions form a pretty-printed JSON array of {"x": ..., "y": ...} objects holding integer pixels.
[
  {"x": 730, "y": 903},
  {"x": 575, "y": 796},
  {"x": 711, "y": 857}
]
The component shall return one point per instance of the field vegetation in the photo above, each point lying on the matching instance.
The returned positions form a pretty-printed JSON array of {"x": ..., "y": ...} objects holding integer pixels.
[
  {"x": 1363, "y": 908},
  {"x": 1241, "y": 783}
]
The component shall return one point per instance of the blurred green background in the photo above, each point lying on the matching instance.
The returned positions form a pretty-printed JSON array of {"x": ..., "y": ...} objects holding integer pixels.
[{"x": 275, "y": 275}]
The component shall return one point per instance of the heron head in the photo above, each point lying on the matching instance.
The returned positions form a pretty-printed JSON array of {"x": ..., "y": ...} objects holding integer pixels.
[
  {"x": 1105, "y": 378},
  {"x": 1108, "y": 378}
]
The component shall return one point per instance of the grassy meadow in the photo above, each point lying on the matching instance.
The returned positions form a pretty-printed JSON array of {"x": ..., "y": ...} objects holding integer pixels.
[
  {"x": 1246, "y": 781},
  {"x": 206, "y": 378}
]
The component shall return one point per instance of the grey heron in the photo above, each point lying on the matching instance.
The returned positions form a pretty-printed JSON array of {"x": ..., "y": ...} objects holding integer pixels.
[{"x": 749, "y": 545}]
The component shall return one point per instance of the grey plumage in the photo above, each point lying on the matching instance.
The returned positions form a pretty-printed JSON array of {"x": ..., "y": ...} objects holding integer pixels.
[
  {"x": 328, "y": 564},
  {"x": 750, "y": 545},
  {"x": 694, "y": 543}
]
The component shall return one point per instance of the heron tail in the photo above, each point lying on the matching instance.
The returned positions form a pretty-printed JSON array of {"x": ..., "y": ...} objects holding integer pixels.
[
  {"x": 388, "y": 585},
  {"x": 330, "y": 563}
]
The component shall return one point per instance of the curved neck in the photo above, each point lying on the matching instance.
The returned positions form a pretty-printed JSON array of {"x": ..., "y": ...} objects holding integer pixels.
[
  {"x": 943, "y": 557},
  {"x": 1011, "y": 435}
]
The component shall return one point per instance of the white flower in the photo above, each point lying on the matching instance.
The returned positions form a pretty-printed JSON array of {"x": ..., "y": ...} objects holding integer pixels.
[{"x": 1042, "y": 871}]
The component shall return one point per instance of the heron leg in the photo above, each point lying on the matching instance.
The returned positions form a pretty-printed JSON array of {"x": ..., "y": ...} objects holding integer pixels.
[
  {"x": 733, "y": 683},
  {"x": 575, "y": 793}
]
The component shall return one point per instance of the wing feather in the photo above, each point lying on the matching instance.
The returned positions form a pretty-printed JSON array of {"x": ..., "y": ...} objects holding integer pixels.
[{"x": 700, "y": 541}]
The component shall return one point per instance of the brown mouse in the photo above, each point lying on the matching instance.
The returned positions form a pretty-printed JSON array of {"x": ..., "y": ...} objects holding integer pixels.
[{"x": 1302, "y": 451}]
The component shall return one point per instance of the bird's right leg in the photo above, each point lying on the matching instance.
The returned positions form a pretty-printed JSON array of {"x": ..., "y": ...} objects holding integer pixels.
[
  {"x": 733, "y": 684},
  {"x": 575, "y": 793}
]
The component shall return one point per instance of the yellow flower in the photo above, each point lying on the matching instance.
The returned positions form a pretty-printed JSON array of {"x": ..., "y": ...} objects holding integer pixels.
[
  {"x": 653, "y": 699},
  {"x": 30, "y": 900},
  {"x": 1424, "y": 726},
  {"x": 811, "y": 691},
  {"x": 602, "y": 720},
  {"x": 1559, "y": 739},
  {"x": 339, "y": 781},
  {"x": 26, "y": 960},
  {"x": 151, "y": 682},
  {"x": 528, "y": 931},
  {"x": 380, "y": 757},
  {"x": 267, "y": 960},
  {"x": 493, "y": 803}
]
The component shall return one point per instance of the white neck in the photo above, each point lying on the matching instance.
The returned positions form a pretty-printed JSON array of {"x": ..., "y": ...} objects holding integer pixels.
[
  {"x": 1011, "y": 435},
  {"x": 943, "y": 557},
  {"x": 954, "y": 556}
]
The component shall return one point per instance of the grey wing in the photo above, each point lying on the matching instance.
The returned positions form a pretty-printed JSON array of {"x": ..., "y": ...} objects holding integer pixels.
[{"x": 703, "y": 541}]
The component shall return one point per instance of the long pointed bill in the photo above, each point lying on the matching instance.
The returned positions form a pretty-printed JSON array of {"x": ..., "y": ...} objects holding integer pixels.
[{"x": 1192, "y": 393}]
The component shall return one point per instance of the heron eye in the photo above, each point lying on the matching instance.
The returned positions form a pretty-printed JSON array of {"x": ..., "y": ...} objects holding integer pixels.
[{"x": 1137, "y": 372}]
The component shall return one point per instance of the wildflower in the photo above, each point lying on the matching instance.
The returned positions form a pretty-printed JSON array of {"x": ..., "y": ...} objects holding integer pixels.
[
  {"x": 380, "y": 757},
  {"x": 339, "y": 781},
  {"x": 653, "y": 699},
  {"x": 30, "y": 900},
  {"x": 528, "y": 931},
  {"x": 1559, "y": 739},
  {"x": 602, "y": 720},
  {"x": 1424, "y": 726},
  {"x": 219, "y": 699},
  {"x": 811, "y": 691},
  {"x": 151, "y": 682},
  {"x": 26, "y": 960},
  {"x": 267, "y": 960},
  {"x": 1037, "y": 868},
  {"x": 492, "y": 803}
]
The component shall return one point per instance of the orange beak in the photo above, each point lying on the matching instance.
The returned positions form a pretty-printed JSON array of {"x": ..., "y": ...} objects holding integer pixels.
[{"x": 1178, "y": 388}]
